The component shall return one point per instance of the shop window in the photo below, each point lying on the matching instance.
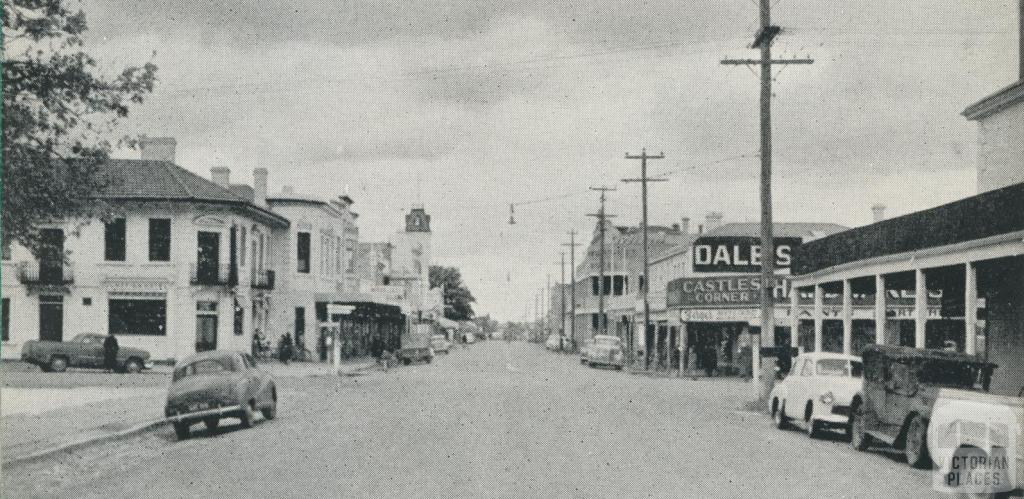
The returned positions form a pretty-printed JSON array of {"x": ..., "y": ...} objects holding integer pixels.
[
  {"x": 303, "y": 251},
  {"x": 114, "y": 241},
  {"x": 159, "y": 239},
  {"x": 6, "y": 319},
  {"x": 137, "y": 317}
]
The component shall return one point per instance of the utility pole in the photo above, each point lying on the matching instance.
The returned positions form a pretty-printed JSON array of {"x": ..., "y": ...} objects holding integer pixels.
[
  {"x": 602, "y": 322},
  {"x": 547, "y": 315},
  {"x": 561, "y": 288},
  {"x": 572, "y": 271},
  {"x": 643, "y": 157},
  {"x": 763, "y": 40}
]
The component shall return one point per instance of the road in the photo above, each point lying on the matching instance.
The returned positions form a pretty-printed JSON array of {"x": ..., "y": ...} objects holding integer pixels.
[{"x": 493, "y": 420}]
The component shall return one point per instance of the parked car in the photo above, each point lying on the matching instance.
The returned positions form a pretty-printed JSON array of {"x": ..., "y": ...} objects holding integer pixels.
[
  {"x": 440, "y": 344},
  {"x": 84, "y": 350},
  {"x": 468, "y": 338},
  {"x": 209, "y": 386},
  {"x": 901, "y": 385},
  {"x": 554, "y": 342},
  {"x": 817, "y": 392},
  {"x": 603, "y": 350}
]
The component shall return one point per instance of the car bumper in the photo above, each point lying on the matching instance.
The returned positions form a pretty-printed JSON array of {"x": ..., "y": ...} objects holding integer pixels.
[
  {"x": 148, "y": 364},
  {"x": 837, "y": 415},
  {"x": 198, "y": 415}
]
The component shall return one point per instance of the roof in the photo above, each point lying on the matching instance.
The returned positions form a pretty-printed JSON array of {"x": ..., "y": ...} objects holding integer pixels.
[
  {"x": 678, "y": 249},
  {"x": 992, "y": 213},
  {"x": 996, "y": 102},
  {"x": 136, "y": 179},
  {"x": 801, "y": 230},
  {"x": 909, "y": 353},
  {"x": 243, "y": 191},
  {"x": 209, "y": 354}
]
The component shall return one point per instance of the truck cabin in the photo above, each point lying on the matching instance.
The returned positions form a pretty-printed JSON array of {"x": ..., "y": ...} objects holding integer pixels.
[{"x": 902, "y": 368}]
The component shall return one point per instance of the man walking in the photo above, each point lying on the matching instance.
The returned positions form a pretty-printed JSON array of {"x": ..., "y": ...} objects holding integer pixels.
[{"x": 110, "y": 349}]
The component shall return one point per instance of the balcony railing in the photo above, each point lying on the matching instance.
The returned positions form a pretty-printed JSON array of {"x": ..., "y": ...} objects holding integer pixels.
[
  {"x": 34, "y": 273},
  {"x": 210, "y": 275},
  {"x": 262, "y": 279}
]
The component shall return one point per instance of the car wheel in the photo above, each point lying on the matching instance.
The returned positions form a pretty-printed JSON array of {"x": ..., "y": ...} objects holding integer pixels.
[
  {"x": 133, "y": 366},
  {"x": 181, "y": 430},
  {"x": 247, "y": 415},
  {"x": 859, "y": 438},
  {"x": 813, "y": 428},
  {"x": 211, "y": 423},
  {"x": 429, "y": 360},
  {"x": 270, "y": 412},
  {"x": 781, "y": 421},
  {"x": 58, "y": 364},
  {"x": 916, "y": 448}
]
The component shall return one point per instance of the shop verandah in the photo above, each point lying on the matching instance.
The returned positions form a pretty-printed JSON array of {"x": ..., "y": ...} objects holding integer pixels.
[{"x": 946, "y": 278}]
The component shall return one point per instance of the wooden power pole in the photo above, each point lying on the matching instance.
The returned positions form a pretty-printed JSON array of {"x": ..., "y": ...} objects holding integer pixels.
[
  {"x": 763, "y": 40},
  {"x": 602, "y": 322},
  {"x": 643, "y": 157},
  {"x": 572, "y": 271}
]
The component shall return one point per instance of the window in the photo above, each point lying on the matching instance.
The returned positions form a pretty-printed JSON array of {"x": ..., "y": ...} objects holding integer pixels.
[
  {"x": 808, "y": 368},
  {"x": 303, "y": 253},
  {"x": 642, "y": 283},
  {"x": 6, "y": 319},
  {"x": 138, "y": 317},
  {"x": 340, "y": 254},
  {"x": 242, "y": 244},
  {"x": 114, "y": 241},
  {"x": 159, "y": 239},
  {"x": 595, "y": 285},
  {"x": 300, "y": 324},
  {"x": 607, "y": 285},
  {"x": 618, "y": 285}
]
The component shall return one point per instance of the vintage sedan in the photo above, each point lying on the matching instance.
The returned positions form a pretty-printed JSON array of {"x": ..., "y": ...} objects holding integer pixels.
[
  {"x": 209, "y": 386},
  {"x": 603, "y": 351},
  {"x": 440, "y": 344},
  {"x": 817, "y": 392},
  {"x": 85, "y": 351}
]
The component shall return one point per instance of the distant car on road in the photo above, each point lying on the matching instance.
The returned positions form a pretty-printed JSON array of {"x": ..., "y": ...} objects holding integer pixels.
[
  {"x": 603, "y": 350},
  {"x": 440, "y": 344},
  {"x": 84, "y": 350},
  {"x": 817, "y": 392},
  {"x": 209, "y": 386},
  {"x": 554, "y": 342}
]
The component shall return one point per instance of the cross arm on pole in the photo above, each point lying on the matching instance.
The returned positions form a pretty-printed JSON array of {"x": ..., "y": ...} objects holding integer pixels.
[
  {"x": 648, "y": 179},
  {"x": 748, "y": 62}
]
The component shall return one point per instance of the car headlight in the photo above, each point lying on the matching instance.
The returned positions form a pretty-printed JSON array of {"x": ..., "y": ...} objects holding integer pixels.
[{"x": 827, "y": 398}]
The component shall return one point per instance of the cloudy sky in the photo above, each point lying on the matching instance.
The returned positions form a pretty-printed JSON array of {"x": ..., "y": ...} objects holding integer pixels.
[{"x": 466, "y": 106}]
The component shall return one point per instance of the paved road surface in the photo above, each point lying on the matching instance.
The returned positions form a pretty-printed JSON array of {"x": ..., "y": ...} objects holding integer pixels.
[{"x": 495, "y": 420}]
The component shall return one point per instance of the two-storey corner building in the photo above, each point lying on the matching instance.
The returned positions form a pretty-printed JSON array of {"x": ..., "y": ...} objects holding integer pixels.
[
  {"x": 169, "y": 272},
  {"x": 316, "y": 266}
]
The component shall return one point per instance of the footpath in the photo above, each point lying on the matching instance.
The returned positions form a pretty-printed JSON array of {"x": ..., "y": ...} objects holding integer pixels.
[{"x": 42, "y": 414}]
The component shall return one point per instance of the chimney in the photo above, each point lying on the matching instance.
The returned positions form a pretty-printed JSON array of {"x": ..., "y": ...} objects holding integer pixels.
[
  {"x": 712, "y": 220},
  {"x": 221, "y": 175},
  {"x": 259, "y": 186},
  {"x": 879, "y": 212},
  {"x": 157, "y": 148},
  {"x": 685, "y": 228}
]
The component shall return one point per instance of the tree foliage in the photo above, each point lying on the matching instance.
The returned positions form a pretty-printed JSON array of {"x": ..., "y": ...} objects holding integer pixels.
[
  {"x": 59, "y": 115},
  {"x": 458, "y": 301}
]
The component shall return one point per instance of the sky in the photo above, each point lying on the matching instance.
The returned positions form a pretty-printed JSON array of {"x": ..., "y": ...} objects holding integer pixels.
[{"x": 466, "y": 106}]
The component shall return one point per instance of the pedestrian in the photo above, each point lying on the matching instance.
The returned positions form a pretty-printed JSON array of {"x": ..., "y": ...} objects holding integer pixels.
[
  {"x": 110, "y": 349},
  {"x": 284, "y": 351},
  {"x": 710, "y": 360}
]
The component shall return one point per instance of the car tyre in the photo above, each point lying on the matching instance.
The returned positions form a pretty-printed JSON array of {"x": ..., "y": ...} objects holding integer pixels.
[
  {"x": 133, "y": 366},
  {"x": 271, "y": 411},
  {"x": 813, "y": 428},
  {"x": 247, "y": 415},
  {"x": 181, "y": 430},
  {"x": 859, "y": 438},
  {"x": 781, "y": 421},
  {"x": 211, "y": 423},
  {"x": 430, "y": 359},
  {"x": 916, "y": 443},
  {"x": 58, "y": 364}
]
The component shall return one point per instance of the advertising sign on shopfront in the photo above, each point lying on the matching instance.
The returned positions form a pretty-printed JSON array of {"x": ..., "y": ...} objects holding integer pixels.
[{"x": 722, "y": 292}]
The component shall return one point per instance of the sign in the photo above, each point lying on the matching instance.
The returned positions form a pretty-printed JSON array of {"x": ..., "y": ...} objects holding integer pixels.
[
  {"x": 739, "y": 254},
  {"x": 723, "y": 292},
  {"x": 751, "y": 316},
  {"x": 333, "y": 309}
]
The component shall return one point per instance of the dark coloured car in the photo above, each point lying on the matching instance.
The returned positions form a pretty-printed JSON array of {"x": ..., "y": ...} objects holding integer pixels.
[
  {"x": 84, "y": 350},
  {"x": 209, "y": 386}
]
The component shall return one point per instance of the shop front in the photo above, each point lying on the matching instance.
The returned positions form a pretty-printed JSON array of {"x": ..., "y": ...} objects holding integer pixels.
[{"x": 719, "y": 321}]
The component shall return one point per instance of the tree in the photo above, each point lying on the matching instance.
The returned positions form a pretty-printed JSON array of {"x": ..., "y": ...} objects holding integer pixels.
[
  {"x": 58, "y": 117},
  {"x": 457, "y": 298}
]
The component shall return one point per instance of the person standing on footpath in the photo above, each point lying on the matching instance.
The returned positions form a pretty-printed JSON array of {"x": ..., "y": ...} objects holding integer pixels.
[{"x": 110, "y": 349}]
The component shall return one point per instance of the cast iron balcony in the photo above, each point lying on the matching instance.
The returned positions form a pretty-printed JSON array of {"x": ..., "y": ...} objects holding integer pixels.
[
  {"x": 262, "y": 279},
  {"x": 210, "y": 275},
  {"x": 47, "y": 274}
]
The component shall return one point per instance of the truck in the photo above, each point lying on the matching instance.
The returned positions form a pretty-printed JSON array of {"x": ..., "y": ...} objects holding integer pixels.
[
  {"x": 84, "y": 350},
  {"x": 416, "y": 344},
  {"x": 935, "y": 406}
]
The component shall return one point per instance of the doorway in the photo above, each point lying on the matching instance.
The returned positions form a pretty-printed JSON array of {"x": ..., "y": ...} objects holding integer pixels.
[
  {"x": 206, "y": 326},
  {"x": 51, "y": 318}
]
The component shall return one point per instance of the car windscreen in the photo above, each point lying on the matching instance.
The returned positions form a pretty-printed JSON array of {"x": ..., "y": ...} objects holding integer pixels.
[
  {"x": 840, "y": 367},
  {"x": 205, "y": 366}
]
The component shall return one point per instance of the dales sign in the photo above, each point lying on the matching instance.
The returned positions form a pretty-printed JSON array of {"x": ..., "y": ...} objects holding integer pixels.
[{"x": 739, "y": 254}]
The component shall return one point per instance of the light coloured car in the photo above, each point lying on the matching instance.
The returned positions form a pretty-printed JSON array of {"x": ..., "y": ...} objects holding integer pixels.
[
  {"x": 603, "y": 351},
  {"x": 212, "y": 385},
  {"x": 440, "y": 344},
  {"x": 817, "y": 392},
  {"x": 553, "y": 343}
]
